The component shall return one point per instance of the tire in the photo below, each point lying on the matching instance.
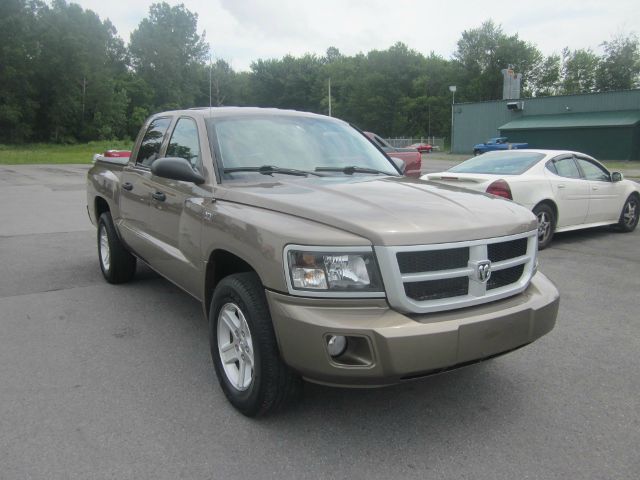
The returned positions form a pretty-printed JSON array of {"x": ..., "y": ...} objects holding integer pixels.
[
  {"x": 629, "y": 215},
  {"x": 116, "y": 263},
  {"x": 241, "y": 333},
  {"x": 546, "y": 224},
  {"x": 476, "y": 153}
]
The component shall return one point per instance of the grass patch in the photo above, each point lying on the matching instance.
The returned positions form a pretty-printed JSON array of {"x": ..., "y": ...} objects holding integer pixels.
[{"x": 51, "y": 153}]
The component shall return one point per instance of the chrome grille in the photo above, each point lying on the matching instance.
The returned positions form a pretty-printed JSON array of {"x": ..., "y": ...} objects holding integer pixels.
[{"x": 431, "y": 278}]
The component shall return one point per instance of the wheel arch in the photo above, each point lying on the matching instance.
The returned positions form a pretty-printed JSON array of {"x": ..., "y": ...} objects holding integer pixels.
[
  {"x": 100, "y": 206},
  {"x": 222, "y": 263},
  {"x": 551, "y": 204}
]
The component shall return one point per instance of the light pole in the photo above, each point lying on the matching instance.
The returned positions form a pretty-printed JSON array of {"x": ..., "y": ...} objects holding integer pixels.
[
  {"x": 329, "y": 96},
  {"x": 452, "y": 89}
]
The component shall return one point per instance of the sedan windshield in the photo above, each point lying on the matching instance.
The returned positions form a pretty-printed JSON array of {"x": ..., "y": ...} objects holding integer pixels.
[
  {"x": 501, "y": 163},
  {"x": 250, "y": 144}
]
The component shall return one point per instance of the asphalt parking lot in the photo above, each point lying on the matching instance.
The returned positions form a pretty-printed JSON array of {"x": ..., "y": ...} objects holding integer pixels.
[{"x": 100, "y": 381}]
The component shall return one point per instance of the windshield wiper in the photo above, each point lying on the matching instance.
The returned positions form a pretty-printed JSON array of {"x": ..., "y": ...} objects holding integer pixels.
[
  {"x": 350, "y": 170},
  {"x": 269, "y": 169}
]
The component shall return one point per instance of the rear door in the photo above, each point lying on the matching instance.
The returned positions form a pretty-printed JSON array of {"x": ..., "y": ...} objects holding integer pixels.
[
  {"x": 136, "y": 187},
  {"x": 570, "y": 190}
]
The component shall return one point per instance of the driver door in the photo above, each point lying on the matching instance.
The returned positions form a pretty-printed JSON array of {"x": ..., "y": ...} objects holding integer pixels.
[
  {"x": 175, "y": 220},
  {"x": 570, "y": 190},
  {"x": 605, "y": 196}
]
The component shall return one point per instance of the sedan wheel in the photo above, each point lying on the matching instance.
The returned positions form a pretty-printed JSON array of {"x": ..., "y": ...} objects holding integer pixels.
[
  {"x": 546, "y": 225},
  {"x": 629, "y": 216}
]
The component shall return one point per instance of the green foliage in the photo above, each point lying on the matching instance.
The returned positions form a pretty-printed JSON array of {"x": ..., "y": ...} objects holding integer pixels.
[
  {"x": 66, "y": 76},
  {"x": 619, "y": 69},
  {"x": 546, "y": 79},
  {"x": 167, "y": 53},
  {"x": 579, "y": 71},
  {"x": 483, "y": 52}
]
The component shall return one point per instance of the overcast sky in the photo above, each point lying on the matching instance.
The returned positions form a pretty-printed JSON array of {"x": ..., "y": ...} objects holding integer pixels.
[{"x": 241, "y": 31}]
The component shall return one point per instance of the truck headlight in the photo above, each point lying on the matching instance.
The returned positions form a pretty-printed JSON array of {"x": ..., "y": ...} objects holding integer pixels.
[{"x": 322, "y": 269}]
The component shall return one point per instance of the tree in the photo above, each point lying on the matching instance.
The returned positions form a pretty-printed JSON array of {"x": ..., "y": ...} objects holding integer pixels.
[
  {"x": 290, "y": 82},
  {"x": 167, "y": 53},
  {"x": 546, "y": 79},
  {"x": 483, "y": 52},
  {"x": 18, "y": 104},
  {"x": 579, "y": 71},
  {"x": 619, "y": 69},
  {"x": 77, "y": 62}
]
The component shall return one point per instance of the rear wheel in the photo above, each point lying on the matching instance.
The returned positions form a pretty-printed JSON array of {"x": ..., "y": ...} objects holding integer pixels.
[
  {"x": 546, "y": 224},
  {"x": 244, "y": 348},
  {"x": 629, "y": 215},
  {"x": 116, "y": 263}
]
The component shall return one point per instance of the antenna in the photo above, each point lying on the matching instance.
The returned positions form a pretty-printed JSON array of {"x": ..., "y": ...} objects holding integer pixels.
[{"x": 210, "y": 80}]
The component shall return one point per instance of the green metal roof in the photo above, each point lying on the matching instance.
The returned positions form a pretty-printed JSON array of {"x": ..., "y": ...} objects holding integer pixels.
[{"x": 624, "y": 118}]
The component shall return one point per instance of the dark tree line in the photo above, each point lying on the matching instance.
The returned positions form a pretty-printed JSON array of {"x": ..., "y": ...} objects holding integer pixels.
[{"x": 66, "y": 76}]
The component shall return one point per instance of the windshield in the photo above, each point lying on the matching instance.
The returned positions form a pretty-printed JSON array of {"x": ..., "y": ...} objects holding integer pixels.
[
  {"x": 293, "y": 142},
  {"x": 509, "y": 162}
]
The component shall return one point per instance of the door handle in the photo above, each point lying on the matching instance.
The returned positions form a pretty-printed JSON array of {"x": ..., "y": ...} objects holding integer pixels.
[
  {"x": 594, "y": 187},
  {"x": 562, "y": 185},
  {"x": 161, "y": 197},
  {"x": 127, "y": 186}
]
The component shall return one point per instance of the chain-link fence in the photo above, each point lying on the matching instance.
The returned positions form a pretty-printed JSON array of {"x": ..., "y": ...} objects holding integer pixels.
[{"x": 436, "y": 142}]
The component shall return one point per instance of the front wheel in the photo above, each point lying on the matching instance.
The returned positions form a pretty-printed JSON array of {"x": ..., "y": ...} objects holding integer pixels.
[
  {"x": 546, "y": 224},
  {"x": 476, "y": 153},
  {"x": 244, "y": 348},
  {"x": 629, "y": 215}
]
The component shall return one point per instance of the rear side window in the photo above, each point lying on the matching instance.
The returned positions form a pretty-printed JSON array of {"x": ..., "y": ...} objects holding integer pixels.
[
  {"x": 184, "y": 142},
  {"x": 566, "y": 167},
  {"x": 152, "y": 141}
]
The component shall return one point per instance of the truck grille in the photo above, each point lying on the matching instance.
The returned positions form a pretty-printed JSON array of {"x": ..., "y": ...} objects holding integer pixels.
[{"x": 431, "y": 278}]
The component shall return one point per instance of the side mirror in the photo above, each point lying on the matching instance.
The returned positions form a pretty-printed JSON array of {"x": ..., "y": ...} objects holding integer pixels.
[
  {"x": 176, "y": 168},
  {"x": 399, "y": 163},
  {"x": 617, "y": 177}
]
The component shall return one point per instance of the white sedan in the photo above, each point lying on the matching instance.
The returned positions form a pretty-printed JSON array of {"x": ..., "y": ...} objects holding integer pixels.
[{"x": 565, "y": 190}]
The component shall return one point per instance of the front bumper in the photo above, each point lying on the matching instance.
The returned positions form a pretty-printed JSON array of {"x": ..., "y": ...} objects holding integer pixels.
[{"x": 393, "y": 347}]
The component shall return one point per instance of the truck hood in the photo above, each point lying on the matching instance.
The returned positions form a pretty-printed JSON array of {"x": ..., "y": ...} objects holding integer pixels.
[{"x": 386, "y": 210}]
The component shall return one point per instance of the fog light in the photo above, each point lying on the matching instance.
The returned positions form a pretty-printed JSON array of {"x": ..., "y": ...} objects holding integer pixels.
[{"x": 336, "y": 345}]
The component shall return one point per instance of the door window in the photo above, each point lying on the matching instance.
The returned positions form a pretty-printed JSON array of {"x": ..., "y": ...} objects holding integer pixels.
[
  {"x": 593, "y": 171},
  {"x": 184, "y": 142},
  {"x": 152, "y": 141},
  {"x": 565, "y": 167}
]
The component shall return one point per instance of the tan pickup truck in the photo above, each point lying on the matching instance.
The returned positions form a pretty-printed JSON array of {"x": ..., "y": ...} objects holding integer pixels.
[{"x": 313, "y": 257}]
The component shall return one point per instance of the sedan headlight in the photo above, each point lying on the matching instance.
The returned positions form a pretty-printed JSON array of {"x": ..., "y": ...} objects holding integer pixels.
[{"x": 350, "y": 271}]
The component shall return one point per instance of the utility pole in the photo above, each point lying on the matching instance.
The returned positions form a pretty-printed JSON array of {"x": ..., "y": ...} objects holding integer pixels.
[
  {"x": 84, "y": 93},
  {"x": 452, "y": 89},
  {"x": 329, "y": 96}
]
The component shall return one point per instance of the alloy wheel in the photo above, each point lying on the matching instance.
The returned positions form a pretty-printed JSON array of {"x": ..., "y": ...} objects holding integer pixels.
[
  {"x": 544, "y": 227},
  {"x": 235, "y": 347},
  {"x": 105, "y": 252},
  {"x": 630, "y": 212}
]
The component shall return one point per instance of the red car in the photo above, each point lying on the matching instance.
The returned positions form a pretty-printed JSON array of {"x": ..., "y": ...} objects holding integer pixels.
[
  {"x": 422, "y": 147},
  {"x": 411, "y": 157}
]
